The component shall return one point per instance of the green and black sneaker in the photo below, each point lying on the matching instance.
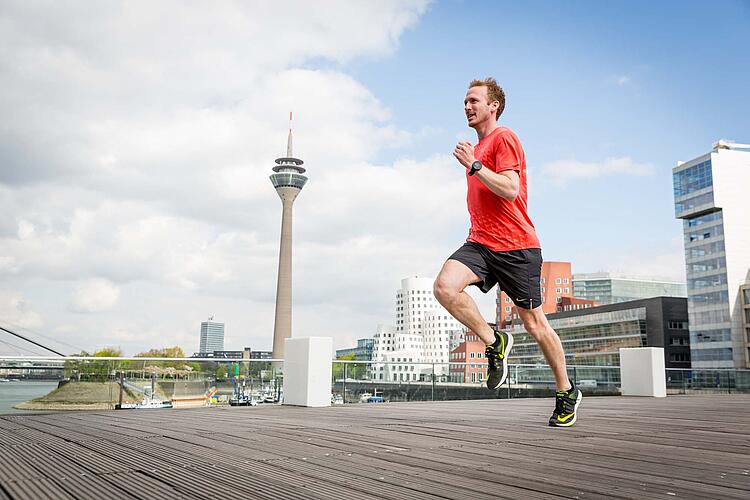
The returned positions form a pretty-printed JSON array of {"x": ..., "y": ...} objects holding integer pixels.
[
  {"x": 566, "y": 404},
  {"x": 497, "y": 359}
]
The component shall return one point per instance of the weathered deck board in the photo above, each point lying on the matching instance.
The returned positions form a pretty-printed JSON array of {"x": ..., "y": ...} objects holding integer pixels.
[{"x": 677, "y": 447}]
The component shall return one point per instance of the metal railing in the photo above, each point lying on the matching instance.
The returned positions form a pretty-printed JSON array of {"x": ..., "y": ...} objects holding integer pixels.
[
  {"x": 707, "y": 380},
  {"x": 88, "y": 382},
  {"x": 375, "y": 381},
  {"x": 92, "y": 382}
]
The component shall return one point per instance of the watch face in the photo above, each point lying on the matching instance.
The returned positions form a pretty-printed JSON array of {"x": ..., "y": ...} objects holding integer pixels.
[{"x": 476, "y": 165}]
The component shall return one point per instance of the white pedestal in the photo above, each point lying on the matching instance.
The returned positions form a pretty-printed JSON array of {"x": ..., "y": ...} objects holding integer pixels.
[
  {"x": 307, "y": 371},
  {"x": 642, "y": 372}
]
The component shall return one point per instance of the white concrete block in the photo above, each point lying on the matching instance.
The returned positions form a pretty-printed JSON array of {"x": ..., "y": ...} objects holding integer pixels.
[
  {"x": 642, "y": 372},
  {"x": 307, "y": 371}
]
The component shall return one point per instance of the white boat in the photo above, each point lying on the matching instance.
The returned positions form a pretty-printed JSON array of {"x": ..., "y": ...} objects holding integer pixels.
[{"x": 147, "y": 404}]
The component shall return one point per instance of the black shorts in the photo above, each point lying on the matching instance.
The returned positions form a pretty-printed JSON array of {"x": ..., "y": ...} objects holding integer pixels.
[{"x": 516, "y": 272}]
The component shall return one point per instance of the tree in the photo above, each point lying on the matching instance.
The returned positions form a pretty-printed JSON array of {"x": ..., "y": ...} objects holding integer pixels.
[
  {"x": 93, "y": 370},
  {"x": 169, "y": 352},
  {"x": 353, "y": 370}
]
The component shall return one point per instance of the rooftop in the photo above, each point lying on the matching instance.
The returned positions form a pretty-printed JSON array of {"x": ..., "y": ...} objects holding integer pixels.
[{"x": 677, "y": 447}]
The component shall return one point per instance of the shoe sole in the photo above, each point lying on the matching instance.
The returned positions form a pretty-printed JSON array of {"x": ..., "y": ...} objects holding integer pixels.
[
  {"x": 575, "y": 412},
  {"x": 508, "y": 347}
]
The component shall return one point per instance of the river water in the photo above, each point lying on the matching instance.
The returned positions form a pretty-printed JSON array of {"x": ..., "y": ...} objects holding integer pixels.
[{"x": 12, "y": 393}]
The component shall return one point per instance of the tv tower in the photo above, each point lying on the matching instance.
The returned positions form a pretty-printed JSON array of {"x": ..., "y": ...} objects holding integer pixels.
[{"x": 288, "y": 181}]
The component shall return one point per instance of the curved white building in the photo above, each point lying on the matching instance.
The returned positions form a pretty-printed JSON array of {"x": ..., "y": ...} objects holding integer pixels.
[{"x": 421, "y": 334}]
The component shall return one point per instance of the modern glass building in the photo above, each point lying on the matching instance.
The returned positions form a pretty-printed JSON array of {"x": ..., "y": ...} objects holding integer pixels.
[
  {"x": 710, "y": 195},
  {"x": 363, "y": 351},
  {"x": 212, "y": 337},
  {"x": 605, "y": 288}
]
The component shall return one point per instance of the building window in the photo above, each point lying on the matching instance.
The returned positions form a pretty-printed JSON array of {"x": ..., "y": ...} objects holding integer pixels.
[
  {"x": 565, "y": 281},
  {"x": 558, "y": 281},
  {"x": 567, "y": 290},
  {"x": 558, "y": 290}
]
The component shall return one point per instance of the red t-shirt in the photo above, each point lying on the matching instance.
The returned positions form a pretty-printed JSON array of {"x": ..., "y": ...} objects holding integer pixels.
[{"x": 497, "y": 223}]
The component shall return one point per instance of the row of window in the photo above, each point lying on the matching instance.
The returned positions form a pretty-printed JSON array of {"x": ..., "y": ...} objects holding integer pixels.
[
  {"x": 717, "y": 335},
  {"x": 462, "y": 355},
  {"x": 707, "y": 281},
  {"x": 703, "y": 219},
  {"x": 698, "y": 201},
  {"x": 711, "y": 248},
  {"x": 704, "y": 234},
  {"x": 718, "y": 354},
  {"x": 710, "y": 317},
  {"x": 692, "y": 179}
]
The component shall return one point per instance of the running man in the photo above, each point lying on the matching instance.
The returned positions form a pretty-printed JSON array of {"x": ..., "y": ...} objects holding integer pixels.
[{"x": 502, "y": 247}]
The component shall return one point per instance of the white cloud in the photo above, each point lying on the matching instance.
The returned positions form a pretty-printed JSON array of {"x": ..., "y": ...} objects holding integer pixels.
[
  {"x": 95, "y": 295},
  {"x": 134, "y": 170},
  {"x": 16, "y": 312},
  {"x": 623, "y": 80},
  {"x": 561, "y": 171}
]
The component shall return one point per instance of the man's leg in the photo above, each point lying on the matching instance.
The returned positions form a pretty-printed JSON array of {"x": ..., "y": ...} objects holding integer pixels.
[
  {"x": 538, "y": 327},
  {"x": 567, "y": 397},
  {"x": 449, "y": 289}
]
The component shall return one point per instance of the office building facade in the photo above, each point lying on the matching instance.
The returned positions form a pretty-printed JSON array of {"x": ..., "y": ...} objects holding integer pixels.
[
  {"x": 212, "y": 337},
  {"x": 606, "y": 288},
  {"x": 710, "y": 196}
]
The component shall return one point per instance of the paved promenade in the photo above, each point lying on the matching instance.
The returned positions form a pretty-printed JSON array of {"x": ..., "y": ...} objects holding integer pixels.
[{"x": 678, "y": 447}]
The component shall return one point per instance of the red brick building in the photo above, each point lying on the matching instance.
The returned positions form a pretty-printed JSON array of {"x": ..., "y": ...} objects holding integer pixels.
[{"x": 470, "y": 352}]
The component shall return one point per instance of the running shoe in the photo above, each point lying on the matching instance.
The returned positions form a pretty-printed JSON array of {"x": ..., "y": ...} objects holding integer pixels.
[
  {"x": 497, "y": 359},
  {"x": 566, "y": 404}
]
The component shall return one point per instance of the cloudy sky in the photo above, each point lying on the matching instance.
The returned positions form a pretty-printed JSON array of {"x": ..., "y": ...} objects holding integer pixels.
[{"x": 136, "y": 140}]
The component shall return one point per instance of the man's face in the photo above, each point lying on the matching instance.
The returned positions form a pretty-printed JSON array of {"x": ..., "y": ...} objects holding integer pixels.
[{"x": 476, "y": 107}]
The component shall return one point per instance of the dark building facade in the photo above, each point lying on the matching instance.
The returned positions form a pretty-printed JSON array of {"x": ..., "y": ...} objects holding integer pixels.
[{"x": 594, "y": 336}]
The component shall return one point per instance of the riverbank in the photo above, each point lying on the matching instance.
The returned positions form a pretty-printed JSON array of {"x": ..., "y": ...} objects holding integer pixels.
[{"x": 80, "y": 396}]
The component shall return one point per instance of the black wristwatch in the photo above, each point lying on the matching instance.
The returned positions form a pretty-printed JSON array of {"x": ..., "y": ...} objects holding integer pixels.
[{"x": 475, "y": 167}]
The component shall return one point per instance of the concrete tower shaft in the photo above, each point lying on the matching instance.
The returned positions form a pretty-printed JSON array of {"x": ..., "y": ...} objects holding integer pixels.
[{"x": 288, "y": 179}]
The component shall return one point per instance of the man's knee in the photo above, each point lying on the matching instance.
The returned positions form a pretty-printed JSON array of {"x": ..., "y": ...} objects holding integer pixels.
[
  {"x": 534, "y": 325},
  {"x": 443, "y": 290}
]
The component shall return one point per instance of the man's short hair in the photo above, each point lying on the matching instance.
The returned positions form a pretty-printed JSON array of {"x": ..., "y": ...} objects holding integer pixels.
[{"x": 494, "y": 93}]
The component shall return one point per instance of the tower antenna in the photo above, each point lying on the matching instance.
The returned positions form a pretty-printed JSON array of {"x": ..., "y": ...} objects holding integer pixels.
[{"x": 289, "y": 139}]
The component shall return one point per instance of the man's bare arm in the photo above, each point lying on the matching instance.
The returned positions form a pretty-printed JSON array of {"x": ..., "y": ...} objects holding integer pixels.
[{"x": 504, "y": 184}]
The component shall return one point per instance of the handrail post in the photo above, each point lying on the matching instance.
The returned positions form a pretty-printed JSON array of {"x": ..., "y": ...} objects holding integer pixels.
[{"x": 433, "y": 381}]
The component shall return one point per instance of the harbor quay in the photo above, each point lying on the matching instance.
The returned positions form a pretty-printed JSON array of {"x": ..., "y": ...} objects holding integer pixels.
[{"x": 695, "y": 446}]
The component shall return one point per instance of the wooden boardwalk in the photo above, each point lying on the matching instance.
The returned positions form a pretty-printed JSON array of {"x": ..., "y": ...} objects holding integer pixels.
[{"x": 677, "y": 447}]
